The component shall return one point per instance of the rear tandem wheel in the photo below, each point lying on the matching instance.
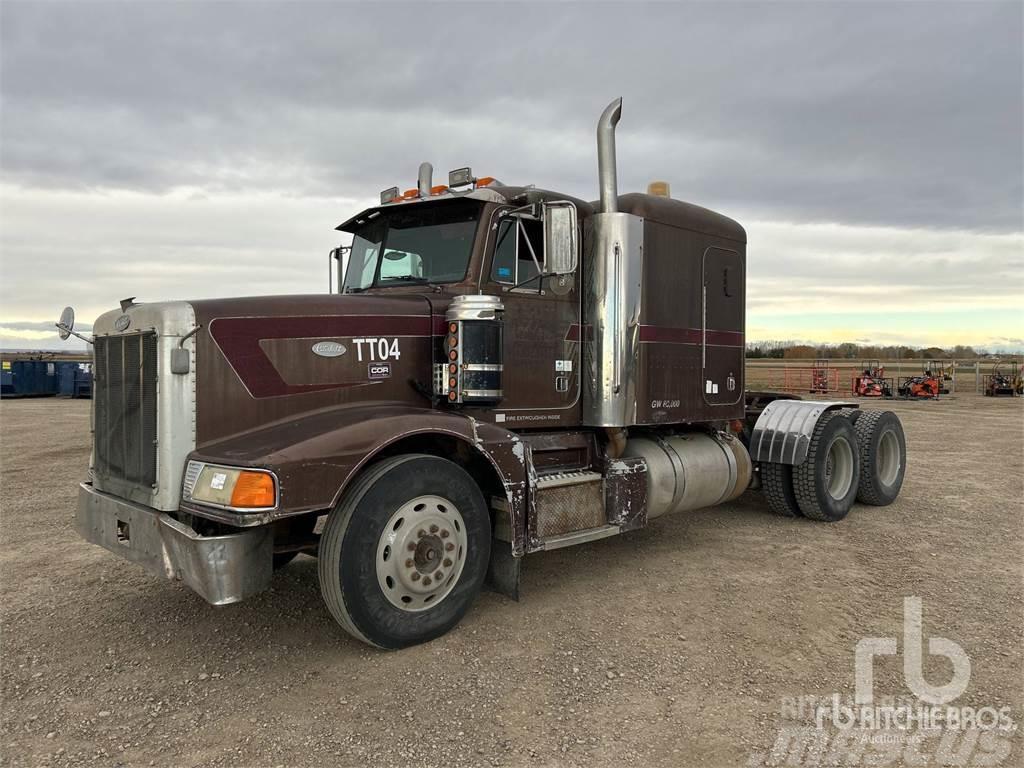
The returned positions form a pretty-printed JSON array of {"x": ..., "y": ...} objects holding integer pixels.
[{"x": 825, "y": 484}]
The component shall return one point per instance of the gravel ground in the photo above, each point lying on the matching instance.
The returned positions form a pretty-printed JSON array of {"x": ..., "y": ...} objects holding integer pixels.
[{"x": 677, "y": 645}]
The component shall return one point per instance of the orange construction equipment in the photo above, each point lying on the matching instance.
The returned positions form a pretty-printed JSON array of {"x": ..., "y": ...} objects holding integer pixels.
[
  {"x": 871, "y": 382},
  {"x": 819, "y": 377},
  {"x": 1002, "y": 383},
  {"x": 924, "y": 386}
]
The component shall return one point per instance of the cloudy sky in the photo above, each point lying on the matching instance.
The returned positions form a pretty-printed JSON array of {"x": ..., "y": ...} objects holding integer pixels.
[{"x": 873, "y": 151}]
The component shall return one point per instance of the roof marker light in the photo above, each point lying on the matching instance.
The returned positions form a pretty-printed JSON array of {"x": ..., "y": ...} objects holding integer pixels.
[
  {"x": 460, "y": 177},
  {"x": 440, "y": 189},
  {"x": 409, "y": 194},
  {"x": 484, "y": 181}
]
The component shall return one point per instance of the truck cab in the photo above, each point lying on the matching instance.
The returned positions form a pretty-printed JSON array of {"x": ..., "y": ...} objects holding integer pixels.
[{"x": 499, "y": 370}]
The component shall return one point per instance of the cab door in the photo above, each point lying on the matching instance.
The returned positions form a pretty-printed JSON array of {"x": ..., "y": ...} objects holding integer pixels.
[
  {"x": 542, "y": 328},
  {"x": 723, "y": 322}
]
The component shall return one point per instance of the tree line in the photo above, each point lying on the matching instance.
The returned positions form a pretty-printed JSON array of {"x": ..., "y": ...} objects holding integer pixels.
[{"x": 791, "y": 350}]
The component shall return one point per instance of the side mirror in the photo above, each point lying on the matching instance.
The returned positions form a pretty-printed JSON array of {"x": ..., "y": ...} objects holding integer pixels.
[
  {"x": 66, "y": 324},
  {"x": 561, "y": 249}
]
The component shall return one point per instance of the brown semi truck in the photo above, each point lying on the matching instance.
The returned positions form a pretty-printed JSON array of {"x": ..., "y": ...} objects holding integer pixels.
[{"x": 501, "y": 370}]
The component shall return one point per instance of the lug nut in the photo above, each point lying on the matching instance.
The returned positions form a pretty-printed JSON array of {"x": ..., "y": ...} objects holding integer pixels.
[
  {"x": 449, "y": 547},
  {"x": 433, "y": 529},
  {"x": 421, "y": 533},
  {"x": 410, "y": 563},
  {"x": 411, "y": 547},
  {"x": 447, "y": 562},
  {"x": 426, "y": 582},
  {"x": 416, "y": 576},
  {"x": 445, "y": 534}
]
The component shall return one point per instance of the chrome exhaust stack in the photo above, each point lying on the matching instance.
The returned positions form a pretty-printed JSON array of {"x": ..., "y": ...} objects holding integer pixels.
[
  {"x": 612, "y": 298},
  {"x": 606, "y": 172}
]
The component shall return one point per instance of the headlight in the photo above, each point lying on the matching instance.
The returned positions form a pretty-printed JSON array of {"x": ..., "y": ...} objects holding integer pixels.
[{"x": 230, "y": 486}]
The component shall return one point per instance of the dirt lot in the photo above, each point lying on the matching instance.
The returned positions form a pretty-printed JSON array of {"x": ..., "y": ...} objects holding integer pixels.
[{"x": 677, "y": 645}]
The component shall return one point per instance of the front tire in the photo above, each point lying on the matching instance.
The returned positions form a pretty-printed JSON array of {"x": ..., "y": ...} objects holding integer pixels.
[{"x": 405, "y": 553}]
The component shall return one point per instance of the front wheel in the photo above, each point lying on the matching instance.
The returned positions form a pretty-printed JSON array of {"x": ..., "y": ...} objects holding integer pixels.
[{"x": 405, "y": 553}]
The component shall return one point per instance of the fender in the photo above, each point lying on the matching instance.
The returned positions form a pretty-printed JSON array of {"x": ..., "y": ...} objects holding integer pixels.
[
  {"x": 316, "y": 455},
  {"x": 783, "y": 431}
]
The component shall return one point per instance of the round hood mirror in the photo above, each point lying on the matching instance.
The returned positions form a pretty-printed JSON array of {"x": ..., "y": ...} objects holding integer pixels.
[{"x": 66, "y": 323}]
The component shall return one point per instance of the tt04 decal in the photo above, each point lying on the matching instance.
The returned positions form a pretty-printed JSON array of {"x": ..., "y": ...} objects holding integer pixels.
[{"x": 374, "y": 349}]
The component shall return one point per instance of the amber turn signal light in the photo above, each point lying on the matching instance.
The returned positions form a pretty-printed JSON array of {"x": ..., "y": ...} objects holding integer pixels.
[{"x": 253, "y": 489}]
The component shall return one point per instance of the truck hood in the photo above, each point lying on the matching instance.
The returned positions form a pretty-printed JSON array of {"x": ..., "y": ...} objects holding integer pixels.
[{"x": 269, "y": 358}]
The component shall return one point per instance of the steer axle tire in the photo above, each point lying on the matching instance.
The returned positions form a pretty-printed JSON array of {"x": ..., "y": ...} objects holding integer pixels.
[
  {"x": 825, "y": 484},
  {"x": 883, "y": 457},
  {"x": 405, "y": 553}
]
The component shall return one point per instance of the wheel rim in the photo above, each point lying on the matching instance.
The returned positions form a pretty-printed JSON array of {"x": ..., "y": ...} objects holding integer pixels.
[
  {"x": 839, "y": 469},
  {"x": 421, "y": 553},
  {"x": 888, "y": 458}
]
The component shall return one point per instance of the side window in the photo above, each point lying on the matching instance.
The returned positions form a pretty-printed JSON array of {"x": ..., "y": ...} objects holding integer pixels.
[
  {"x": 364, "y": 265},
  {"x": 503, "y": 269},
  {"x": 518, "y": 241}
]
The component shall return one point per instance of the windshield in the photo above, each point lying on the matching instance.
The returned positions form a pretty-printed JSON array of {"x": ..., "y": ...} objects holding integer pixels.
[{"x": 413, "y": 245}]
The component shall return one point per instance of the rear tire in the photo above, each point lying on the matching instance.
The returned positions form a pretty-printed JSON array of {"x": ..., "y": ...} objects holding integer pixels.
[
  {"x": 825, "y": 485},
  {"x": 777, "y": 483},
  {"x": 852, "y": 414},
  {"x": 883, "y": 457},
  {"x": 405, "y": 553}
]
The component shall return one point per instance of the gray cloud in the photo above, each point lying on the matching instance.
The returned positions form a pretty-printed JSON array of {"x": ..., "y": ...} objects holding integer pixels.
[
  {"x": 905, "y": 114},
  {"x": 184, "y": 150}
]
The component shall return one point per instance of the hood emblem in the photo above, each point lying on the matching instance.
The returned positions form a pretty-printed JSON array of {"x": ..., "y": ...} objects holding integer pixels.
[
  {"x": 122, "y": 323},
  {"x": 328, "y": 349}
]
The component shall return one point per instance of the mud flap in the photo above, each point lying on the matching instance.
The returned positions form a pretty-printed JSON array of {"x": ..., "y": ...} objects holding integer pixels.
[{"x": 503, "y": 570}]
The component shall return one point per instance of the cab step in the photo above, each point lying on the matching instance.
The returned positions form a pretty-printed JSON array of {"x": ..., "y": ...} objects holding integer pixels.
[
  {"x": 579, "y": 537},
  {"x": 568, "y": 502},
  {"x": 562, "y": 479}
]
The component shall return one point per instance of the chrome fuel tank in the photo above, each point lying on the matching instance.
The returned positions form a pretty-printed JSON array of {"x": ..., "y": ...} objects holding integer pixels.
[{"x": 692, "y": 470}]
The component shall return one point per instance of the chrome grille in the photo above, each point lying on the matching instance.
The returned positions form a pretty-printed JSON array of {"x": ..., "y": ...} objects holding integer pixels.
[
  {"x": 124, "y": 391},
  {"x": 191, "y": 476}
]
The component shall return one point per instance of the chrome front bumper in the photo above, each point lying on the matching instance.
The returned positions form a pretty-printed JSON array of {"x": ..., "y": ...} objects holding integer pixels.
[{"x": 223, "y": 569}]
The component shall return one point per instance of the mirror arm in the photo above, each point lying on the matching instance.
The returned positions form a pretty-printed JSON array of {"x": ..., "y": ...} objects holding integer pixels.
[
  {"x": 530, "y": 210},
  {"x": 62, "y": 327},
  {"x": 540, "y": 288},
  {"x": 335, "y": 255},
  {"x": 533, "y": 254}
]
